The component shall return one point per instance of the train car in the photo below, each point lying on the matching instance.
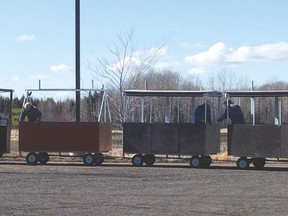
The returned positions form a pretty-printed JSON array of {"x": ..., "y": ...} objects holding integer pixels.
[
  {"x": 86, "y": 139},
  {"x": 255, "y": 142},
  {"x": 148, "y": 139},
  {"x": 6, "y": 123}
]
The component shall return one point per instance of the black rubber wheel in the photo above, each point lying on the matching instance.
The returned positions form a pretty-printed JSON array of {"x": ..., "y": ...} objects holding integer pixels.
[
  {"x": 195, "y": 162},
  {"x": 149, "y": 159},
  {"x": 137, "y": 160},
  {"x": 243, "y": 163},
  {"x": 43, "y": 157},
  {"x": 259, "y": 163},
  {"x": 88, "y": 159},
  {"x": 31, "y": 158},
  {"x": 98, "y": 159},
  {"x": 206, "y": 161}
]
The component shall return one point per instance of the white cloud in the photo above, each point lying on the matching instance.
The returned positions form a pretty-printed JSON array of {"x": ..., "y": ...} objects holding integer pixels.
[
  {"x": 14, "y": 78},
  {"x": 265, "y": 53},
  {"x": 25, "y": 37},
  {"x": 60, "y": 68},
  {"x": 162, "y": 66},
  {"x": 215, "y": 54},
  {"x": 128, "y": 61},
  {"x": 221, "y": 56},
  {"x": 163, "y": 51},
  {"x": 159, "y": 51},
  {"x": 139, "y": 58}
]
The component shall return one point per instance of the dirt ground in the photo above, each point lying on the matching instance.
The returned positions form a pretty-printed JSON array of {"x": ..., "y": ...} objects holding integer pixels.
[
  {"x": 121, "y": 189},
  {"x": 66, "y": 187}
]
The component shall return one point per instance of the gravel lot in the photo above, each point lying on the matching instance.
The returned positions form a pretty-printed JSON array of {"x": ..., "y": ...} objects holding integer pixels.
[{"x": 121, "y": 189}]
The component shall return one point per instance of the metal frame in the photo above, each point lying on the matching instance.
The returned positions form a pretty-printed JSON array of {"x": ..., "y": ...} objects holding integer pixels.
[
  {"x": 105, "y": 109},
  {"x": 170, "y": 93},
  {"x": 256, "y": 94}
]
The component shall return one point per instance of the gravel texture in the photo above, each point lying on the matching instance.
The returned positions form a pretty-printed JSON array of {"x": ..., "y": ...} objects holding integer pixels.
[{"x": 121, "y": 189}]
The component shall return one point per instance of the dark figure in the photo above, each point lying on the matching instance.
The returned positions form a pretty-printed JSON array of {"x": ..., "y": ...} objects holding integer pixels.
[
  {"x": 235, "y": 113},
  {"x": 199, "y": 114},
  {"x": 32, "y": 113}
]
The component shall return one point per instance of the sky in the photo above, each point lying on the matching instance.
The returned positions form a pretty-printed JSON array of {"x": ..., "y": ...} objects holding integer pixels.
[{"x": 37, "y": 38}]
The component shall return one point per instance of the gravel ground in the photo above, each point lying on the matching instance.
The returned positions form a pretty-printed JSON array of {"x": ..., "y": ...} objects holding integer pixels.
[{"x": 121, "y": 189}]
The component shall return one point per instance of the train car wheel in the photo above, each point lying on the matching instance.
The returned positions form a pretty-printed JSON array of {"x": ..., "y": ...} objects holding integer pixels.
[
  {"x": 31, "y": 158},
  {"x": 206, "y": 161},
  {"x": 88, "y": 159},
  {"x": 258, "y": 163},
  {"x": 195, "y": 162},
  {"x": 242, "y": 163},
  {"x": 98, "y": 159},
  {"x": 43, "y": 158},
  {"x": 149, "y": 159},
  {"x": 137, "y": 160}
]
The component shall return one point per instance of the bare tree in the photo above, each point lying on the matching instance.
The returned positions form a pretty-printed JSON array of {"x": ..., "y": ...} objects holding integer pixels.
[
  {"x": 164, "y": 80},
  {"x": 126, "y": 64},
  {"x": 265, "y": 107},
  {"x": 227, "y": 80}
]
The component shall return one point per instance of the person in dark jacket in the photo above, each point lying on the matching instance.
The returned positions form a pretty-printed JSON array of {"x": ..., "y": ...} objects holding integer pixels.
[
  {"x": 235, "y": 113},
  {"x": 199, "y": 114},
  {"x": 33, "y": 114}
]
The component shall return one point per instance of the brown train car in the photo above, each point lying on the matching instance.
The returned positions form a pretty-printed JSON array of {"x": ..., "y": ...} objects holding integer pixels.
[{"x": 90, "y": 138}]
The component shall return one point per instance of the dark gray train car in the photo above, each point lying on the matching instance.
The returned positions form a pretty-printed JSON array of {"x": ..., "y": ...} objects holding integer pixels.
[
  {"x": 174, "y": 136},
  {"x": 254, "y": 142},
  {"x": 6, "y": 123}
]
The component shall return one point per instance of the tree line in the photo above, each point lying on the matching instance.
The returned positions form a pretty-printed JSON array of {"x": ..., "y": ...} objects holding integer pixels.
[{"x": 64, "y": 110}]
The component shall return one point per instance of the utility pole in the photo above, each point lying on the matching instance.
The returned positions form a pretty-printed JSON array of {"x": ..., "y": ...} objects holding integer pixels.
[{"x": 77, "y": 57}]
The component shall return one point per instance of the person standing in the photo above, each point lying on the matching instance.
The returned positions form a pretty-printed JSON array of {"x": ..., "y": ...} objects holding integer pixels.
[
  {"x": 235, "y": 113},
  {"x": 33, "y": 114},
  {"x": 200, "y": 112}
]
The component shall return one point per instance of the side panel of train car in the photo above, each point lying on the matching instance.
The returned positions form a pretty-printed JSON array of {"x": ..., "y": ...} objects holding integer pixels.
[
  {"x": 4, "y": 136},
  {"x": 172, "y": 138},
  {"x": 65, "y": 137},
  {"x": 259, "y": 141}
]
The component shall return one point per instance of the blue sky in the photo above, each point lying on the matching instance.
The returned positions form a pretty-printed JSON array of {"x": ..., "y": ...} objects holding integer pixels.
[{"x": 246, "y": 37}]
